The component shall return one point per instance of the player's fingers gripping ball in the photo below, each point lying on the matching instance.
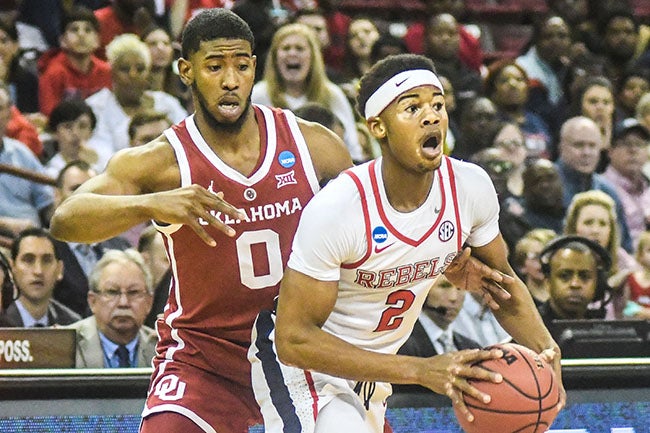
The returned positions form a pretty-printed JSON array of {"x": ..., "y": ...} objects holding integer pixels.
[{"x": 525, "y": 402}]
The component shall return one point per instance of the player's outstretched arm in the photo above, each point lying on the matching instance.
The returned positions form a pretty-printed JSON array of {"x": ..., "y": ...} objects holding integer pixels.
[
  {"x": 305, "y": 304},
  {"x": 139, "y": 184},
  {"x": 518, "y": 315},
  {"x": 469, "y": 273}
]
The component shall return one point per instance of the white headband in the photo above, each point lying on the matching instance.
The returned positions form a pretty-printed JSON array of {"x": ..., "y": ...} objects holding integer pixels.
[{"x": 397, "y": 85}]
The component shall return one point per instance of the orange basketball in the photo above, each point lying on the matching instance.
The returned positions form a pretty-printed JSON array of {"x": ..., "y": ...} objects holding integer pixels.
[{"x": 525, "y": 402}]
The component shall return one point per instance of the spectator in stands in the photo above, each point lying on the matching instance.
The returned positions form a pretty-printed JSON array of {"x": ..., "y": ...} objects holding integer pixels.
[
  {"x": 637, "y": 285},
  {"x": 75, "y": 72},
  {"x": 163, "y": 62},
  {"x": 8, "y": 289},
  {"x": 525, "y": 260},
  {"x": 123, "y": 16},
  {"x": 36, "y": 269},
  {"x": 317, "y": 21},
  {"x": 642, "y": 114},
  {"x": 434, "y": 331},
  {"x": 18, "y": 70},
  {"x": 593, "y": 97},
  {"x": 441, "y": 45},
  {"x": 510, "y": 139},
  {"x": 120, "y": 299},
  {"x": 477, "y": 322},
  {"x": 180, "y": 11},
  {"x": 592, "y": 215},
  {"x": 146, "y": 126},
  {"x": 507, "y": 85},
  {"x": 71, "y": 124},
  {"x": 362, "y": 35},
  {"x": 575, "y": 269},
  {"x": 540, "y": 205},
  {"x": 78, "y": 259},
  {"x": 143, "y": 128},
  {"x": 387, "y": 45},
  {"x": 619, "y": 32},
  {"x": 579, "y": 152},
  {"x": 547, "y": 64},
  {"x": 452, "y": 113},
  {"x": 479, "y": 123},
  {"x": 469, "y": 50},
  {"x": 627, "y": 155},
  {"x": 315, "y": 112},
  {"x": 632, "y": 86},
  {"x": 496, "y": 164},
  {"x": 130, "y": 61},
  {"x": 23, "y": 203},
  {"x": 152, "y": 248},
  {"x": 295, "y": 74}
]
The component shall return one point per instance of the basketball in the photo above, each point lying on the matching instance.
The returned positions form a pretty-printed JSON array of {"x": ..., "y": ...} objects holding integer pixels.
[{"x": 524, "y": 402}]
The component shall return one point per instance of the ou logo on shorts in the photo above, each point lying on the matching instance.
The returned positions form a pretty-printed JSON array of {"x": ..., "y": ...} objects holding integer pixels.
[
  {"x": 169, "y": 388},
  {"x": 446, "y": 231}
]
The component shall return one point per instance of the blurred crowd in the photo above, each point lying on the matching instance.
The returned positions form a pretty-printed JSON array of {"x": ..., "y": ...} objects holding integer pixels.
[{"x": 561, "y": 124}]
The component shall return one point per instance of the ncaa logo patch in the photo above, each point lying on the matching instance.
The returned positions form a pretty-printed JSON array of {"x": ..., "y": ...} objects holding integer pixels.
[
  {"x": 287, "y": 159},
  {"x": 379, "y": 234},
  {"x": 446, "y": 231}
]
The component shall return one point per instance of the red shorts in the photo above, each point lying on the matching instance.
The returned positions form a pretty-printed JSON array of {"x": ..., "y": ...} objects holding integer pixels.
[{"x": 212, "y": 402}]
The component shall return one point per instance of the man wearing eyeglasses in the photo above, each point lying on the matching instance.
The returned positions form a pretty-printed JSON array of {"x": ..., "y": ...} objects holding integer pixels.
[{"x": 120, "y": 298}]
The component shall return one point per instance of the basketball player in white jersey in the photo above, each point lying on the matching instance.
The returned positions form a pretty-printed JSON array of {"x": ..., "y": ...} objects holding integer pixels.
[{"x": 367, "y": 249}]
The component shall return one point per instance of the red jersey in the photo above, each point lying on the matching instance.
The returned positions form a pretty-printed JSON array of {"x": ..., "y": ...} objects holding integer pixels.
[
  {"x": 216, "y": 293},
  {"x": 638, "y": 293}
]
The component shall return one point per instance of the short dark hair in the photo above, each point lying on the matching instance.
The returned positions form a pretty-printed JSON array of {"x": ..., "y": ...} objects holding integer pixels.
[
  {"x": 143, "y": 117},
  {"x": 79, "y": 13},
  {"x": 212, "y": 24},
  {"x": 36, "y": 232},
  {"x": 81, "y": 165},
  {"x": 68, "y": 110},
  {"x": 385, "y": 69},
  {"x": 315, "y": 112}
]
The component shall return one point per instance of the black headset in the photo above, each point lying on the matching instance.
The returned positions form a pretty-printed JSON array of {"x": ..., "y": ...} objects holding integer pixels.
[{"x": 603, "y": 262}]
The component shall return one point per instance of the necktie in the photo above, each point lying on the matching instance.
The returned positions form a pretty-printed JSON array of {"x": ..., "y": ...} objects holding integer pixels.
[
  {"x": 123, "y": 356},
  {"x": 446, "y": 342}
]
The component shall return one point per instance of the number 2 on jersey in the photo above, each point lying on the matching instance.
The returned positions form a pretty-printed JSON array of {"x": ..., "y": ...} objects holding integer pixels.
[{"x": 400, "y": 301}]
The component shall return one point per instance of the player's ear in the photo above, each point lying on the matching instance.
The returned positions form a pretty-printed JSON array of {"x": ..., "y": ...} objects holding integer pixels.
[
  {"x": 185, "y": 71},
  {"x": 376, "y": 127}
]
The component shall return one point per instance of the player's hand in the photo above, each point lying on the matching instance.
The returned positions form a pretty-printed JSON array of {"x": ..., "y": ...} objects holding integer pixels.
[
  {"x": 188, "y": 205},
  {"x": 552, "y": 357},
  {"x": 469, "y": 273},
  {"x": 451, "y": 372}
]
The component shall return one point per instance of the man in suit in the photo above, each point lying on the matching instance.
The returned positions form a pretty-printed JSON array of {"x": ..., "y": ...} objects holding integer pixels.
[
  {"x": 78, "y": 259},
  {"x": 36, "y": 269},
  {"x": 120, "y": 297},
  {"x": 434, "y": 333}
]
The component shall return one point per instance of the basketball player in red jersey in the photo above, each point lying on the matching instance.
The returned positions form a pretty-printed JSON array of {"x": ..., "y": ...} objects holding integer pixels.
[{"x": 226, "y": 188}]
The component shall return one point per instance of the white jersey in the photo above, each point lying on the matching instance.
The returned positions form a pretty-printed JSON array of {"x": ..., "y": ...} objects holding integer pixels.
[{"x": 385, "y": 262}]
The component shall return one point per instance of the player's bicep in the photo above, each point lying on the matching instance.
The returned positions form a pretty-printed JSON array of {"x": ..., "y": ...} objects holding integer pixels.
[
  {"x": 329, "y": 153},
  {"x": 304, "y": 303}
]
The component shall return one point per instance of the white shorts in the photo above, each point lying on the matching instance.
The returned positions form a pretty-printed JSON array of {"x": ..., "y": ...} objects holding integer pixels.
[{"x": 291, "y": 399}]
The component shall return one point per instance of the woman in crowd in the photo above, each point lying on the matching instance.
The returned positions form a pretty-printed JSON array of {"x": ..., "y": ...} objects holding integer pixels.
[
  {"x": 511, "y": 140},
  {"x": 592, "y": 214},
  {"x": 593, "y": 97},
  {"x": 163, "y": 77},
  {"x": 507, "y": 86},
  {"x": 526, "y": 262},
  {"x": 295, "y": 74}
]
